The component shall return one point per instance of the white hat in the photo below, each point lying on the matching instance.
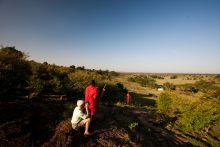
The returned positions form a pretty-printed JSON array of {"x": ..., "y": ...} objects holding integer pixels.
[{"x": 80, "y": 102}]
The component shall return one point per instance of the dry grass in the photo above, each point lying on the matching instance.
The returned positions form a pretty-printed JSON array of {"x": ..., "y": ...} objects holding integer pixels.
[
  {"x": 190, "y": 98},
  {"x": 131, "y": 86},
  {"x": 135, "y": 87},
  {"x": 178, "y": 81},
  {"x": 140, "y": 95},
  {"x": 181, "y": 79}
]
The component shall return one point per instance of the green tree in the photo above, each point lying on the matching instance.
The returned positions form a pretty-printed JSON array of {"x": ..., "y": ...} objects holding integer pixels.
[{"x": 14, "y": 71}]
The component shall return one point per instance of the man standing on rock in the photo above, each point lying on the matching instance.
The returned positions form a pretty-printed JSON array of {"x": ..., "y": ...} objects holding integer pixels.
[{"x": 91, "y": 99}]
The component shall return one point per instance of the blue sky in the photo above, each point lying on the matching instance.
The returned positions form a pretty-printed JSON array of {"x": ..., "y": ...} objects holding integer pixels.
[{"x": 123, "y": 35}]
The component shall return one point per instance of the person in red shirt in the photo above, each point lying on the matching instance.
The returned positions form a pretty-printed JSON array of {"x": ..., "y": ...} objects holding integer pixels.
[
  {"x": 128, "y": 98},
  {"x": 91, "y": 99}
]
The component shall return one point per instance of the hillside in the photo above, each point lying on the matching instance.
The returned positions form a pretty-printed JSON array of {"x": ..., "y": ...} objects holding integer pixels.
[
  {"x": 112, "y": 128},
  {"x": 37, "y": 101}
]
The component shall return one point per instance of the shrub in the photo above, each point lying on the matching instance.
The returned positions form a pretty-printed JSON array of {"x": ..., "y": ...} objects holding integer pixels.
[
  {"x": 121, "y": 87},
  {"x": 37, "y": 85},
  {"x": 156, "y": 77},
  {"x": 164, "y": 102},
  {"x": 143, "y": 81},
  {"x": 133, "y": 125},
  {"x": 210, "y": 90},
  {"x": 113, "y": 93},
  {"x": 189, "y": 88},
  {"x": 173, "y": 77},
  {"x": 204, "y": 86},
  {"x": 169, "y": 86},
  {"x": 198, "y": 115}
]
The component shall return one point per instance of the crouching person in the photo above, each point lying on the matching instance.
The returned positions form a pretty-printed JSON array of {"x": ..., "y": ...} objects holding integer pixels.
[{"x": 80, "y": 119}]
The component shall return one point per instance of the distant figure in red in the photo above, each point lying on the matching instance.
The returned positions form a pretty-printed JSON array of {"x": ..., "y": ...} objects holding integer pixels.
[
  {"x": 91, "y": 100},
  {"x": 128, "y": 98}
]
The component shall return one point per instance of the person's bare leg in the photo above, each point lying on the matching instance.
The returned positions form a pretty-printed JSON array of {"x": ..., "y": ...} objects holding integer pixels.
[{"x": 87, "y": 124}]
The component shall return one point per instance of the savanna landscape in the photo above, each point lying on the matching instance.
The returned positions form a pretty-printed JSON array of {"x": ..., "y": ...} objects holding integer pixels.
[{"x": 167, "y": 109}]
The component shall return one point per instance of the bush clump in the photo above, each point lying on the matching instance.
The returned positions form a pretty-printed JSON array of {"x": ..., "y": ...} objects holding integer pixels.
[
  {"x": 173, "y": 77},
  {"x": 189, "y": 88},
  {"x": 164, "y": 102},
  {"x": 169, "y": 86},
  {"x": 198, "y": 115},
  {"x": 144, "y": 81}
]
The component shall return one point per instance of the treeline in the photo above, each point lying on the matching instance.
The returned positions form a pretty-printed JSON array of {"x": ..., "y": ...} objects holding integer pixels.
[{"x": 20, "y": 77}]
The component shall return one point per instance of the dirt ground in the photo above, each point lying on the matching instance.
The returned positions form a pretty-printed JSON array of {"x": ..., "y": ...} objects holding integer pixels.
[{"x": 35, "y": 125}]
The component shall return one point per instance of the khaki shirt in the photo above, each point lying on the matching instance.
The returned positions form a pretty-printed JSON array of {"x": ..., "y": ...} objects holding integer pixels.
[{"x": 78, "y": 115}]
